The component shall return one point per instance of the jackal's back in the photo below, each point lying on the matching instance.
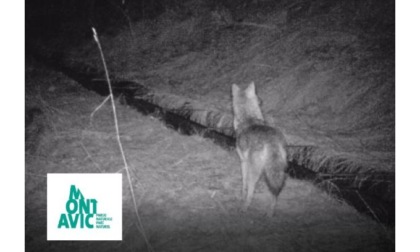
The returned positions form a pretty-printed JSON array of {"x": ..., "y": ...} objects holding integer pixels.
[{"x": 266, "y": 153}]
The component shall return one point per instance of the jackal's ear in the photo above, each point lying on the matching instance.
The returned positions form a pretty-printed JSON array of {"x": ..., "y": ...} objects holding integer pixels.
[
  {"x": 250, "y": 90},
  {"x": 235, "y": 90}
]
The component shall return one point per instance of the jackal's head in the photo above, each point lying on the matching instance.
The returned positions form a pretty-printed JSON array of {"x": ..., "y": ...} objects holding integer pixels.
[{"x": 245, "y": 105}]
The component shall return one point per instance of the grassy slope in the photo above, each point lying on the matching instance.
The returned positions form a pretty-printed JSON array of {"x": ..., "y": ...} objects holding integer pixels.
[
  {"x": 187, "y": 188},
  {"x": 326, "y": 76}
]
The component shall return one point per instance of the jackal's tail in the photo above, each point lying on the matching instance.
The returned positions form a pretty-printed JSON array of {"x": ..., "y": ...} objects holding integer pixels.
[{"x": 275, "y": 172}]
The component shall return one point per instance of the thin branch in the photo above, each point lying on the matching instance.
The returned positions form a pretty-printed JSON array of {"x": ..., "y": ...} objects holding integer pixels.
[
  {"x": 111, "y": 96},
  {"x": 97, "y": 108}
]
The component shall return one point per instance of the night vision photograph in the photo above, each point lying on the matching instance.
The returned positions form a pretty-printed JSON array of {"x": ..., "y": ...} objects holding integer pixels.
[{"x": 209, "y": 125}]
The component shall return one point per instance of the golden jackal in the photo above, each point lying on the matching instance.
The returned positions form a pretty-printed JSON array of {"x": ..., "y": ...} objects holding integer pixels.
[{"x": 261, "y": 148}]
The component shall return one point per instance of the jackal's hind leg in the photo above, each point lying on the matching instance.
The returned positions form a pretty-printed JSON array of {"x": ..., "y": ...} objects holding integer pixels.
[{"x": 252, "y": 178}]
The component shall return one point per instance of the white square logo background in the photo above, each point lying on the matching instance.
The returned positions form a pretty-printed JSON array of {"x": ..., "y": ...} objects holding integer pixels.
[{"x": 105, "y": 188}]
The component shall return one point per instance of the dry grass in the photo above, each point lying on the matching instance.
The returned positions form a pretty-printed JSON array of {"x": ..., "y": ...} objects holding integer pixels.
[
  {"x": 188, "y": 189},
  {"x": 326, "y": 76}
]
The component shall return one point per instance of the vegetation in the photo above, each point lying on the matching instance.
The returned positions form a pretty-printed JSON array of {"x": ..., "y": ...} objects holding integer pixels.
[{"x": 324, "y": 71}]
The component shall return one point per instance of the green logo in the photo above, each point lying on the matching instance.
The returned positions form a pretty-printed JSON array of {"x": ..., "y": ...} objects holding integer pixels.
[{"x": 81, "y": 212}]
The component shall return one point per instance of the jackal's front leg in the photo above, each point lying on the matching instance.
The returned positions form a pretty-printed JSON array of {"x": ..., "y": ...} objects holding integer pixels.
[
  {"x": 244, "y": 178},
  {"x": 244, "y": 170}
]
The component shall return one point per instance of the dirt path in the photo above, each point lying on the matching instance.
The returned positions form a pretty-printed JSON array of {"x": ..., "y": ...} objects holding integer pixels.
[{"x": 187, "y": 188}]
